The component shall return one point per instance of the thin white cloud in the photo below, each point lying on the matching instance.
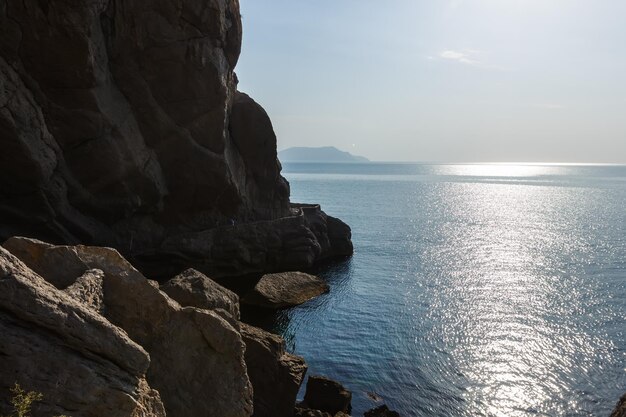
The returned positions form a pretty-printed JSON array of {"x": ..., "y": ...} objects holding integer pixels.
[
  {"x": 472, "y": 57},
  {"x": 467, "y": 56},
  {"x": 549, "y": 106}
]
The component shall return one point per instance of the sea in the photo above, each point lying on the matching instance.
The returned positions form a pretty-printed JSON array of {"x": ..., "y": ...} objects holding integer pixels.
[{"x": 474, "y": 289}]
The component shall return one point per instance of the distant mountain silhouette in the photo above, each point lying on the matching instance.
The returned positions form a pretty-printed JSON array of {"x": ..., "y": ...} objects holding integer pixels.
[{"x": 321, "y": 154}]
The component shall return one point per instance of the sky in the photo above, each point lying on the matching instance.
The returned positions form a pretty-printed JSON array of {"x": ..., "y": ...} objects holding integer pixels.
[{"x": 442, "y": 80}]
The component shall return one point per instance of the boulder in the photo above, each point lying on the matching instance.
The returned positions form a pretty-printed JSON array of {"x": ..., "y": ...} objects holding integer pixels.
[
  {"x": 192, "y": 288},
  {"x": 381, "y": 411},
  {"x": 197, "y": 357},
  {"x": 327, "y": 395},
  {"x": 285, "y": 289},
  {"x": 53, "y": 344},
  {"x": 620, "y": 408},
  {"x": 275, "y": 375}
]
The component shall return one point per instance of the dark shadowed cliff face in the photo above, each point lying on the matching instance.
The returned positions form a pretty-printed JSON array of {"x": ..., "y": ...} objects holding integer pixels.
[{"x": 120, "y": 125}]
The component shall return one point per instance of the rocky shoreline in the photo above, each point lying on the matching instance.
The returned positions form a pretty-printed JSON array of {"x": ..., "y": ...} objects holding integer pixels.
[
  {"x": 83, "y": 326},
  {"x": 121, "y": 128},
  {"x": 125, "y": 143}
]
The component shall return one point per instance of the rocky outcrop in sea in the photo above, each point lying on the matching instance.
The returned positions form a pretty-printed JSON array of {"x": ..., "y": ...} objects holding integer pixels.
[{"x": 85, "y": 328}]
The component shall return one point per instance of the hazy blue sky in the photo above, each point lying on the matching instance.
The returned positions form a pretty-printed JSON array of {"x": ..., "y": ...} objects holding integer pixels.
[{"x": 442, "y": 80}]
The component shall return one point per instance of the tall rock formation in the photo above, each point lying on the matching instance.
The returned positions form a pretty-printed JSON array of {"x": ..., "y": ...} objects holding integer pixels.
[{"x": 121, "y": 125}]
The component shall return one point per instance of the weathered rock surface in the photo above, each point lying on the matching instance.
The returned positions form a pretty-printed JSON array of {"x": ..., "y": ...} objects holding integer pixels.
[
  {"x": 275, "y": 374},
  {"x": 620, "y": 408},
  {"x": 381, "y": 411},
  {"x": 284, "y": 244},
  {"x": 51, "y": 343},
  {"x": 197, "y": 362},
  {"x": 285, "y": 289},
  {"x": 192, "y": 288},
  {"x": 59, "y": 265},
  {"x": 121, "y": 126},
  {"x": 307, "y": 412},
  {"x": 333, "y": 235},
  {"x": 327, "y": 395},
  {"x": 88, "y": 289}
]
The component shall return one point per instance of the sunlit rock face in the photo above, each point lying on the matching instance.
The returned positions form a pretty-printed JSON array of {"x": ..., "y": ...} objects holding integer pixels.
[
  {"x": 57, "y": 345},
  {"x": 120, "y": 123},
  {"x": 193, "y": 357}
]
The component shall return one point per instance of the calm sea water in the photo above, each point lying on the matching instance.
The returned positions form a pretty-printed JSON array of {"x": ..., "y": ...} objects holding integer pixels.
[{"x": 474, "y": 290}]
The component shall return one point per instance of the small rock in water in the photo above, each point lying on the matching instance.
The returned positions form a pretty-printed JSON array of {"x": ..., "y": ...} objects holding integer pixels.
[
  {"x": 373, "y": 396},
  {"x": 327, "y": 395},
  {"x": 381, "y": 411},
  {"x": 620, "y": 408},
  {"x": 286, "y": 289}
]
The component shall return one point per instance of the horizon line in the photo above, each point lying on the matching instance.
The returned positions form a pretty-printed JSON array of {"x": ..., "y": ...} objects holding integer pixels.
[{"x": 460, "y": 163}]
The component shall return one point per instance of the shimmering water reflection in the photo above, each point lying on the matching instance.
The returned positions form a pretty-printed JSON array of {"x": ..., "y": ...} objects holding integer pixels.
[{"x": 471, "y": 297}]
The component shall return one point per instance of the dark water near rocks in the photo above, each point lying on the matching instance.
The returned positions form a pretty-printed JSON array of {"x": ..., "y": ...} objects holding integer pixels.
[{"x": 475, "y": 290}]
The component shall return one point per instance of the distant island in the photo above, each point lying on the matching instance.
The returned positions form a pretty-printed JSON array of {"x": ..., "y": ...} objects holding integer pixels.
[{"x": 321, "y": 154}]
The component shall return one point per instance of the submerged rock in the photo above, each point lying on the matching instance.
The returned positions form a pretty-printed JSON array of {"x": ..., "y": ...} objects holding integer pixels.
[
  {"x": 285, "y": 289},
  {"x": 275, "y": 375},
  {"x": 327, "y": 395},
  {"x": 53, "y": 344}
]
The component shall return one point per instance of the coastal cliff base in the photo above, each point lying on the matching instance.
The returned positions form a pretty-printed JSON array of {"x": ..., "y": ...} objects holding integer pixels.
[{"x": 83, "y": 326}]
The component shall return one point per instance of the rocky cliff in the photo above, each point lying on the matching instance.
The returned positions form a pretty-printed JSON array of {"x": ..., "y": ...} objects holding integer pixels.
[{"x": 121, "y": 125}]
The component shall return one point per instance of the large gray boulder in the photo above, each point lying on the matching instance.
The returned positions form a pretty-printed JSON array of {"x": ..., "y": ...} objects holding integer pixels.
[
  {"x": 81, "y": 363},
  {"x": 197, "y": 357},
  {"x": 275, "y": 374},
  {"x": 285, "y": 289},
  {"x": 192, "y": 288}
]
